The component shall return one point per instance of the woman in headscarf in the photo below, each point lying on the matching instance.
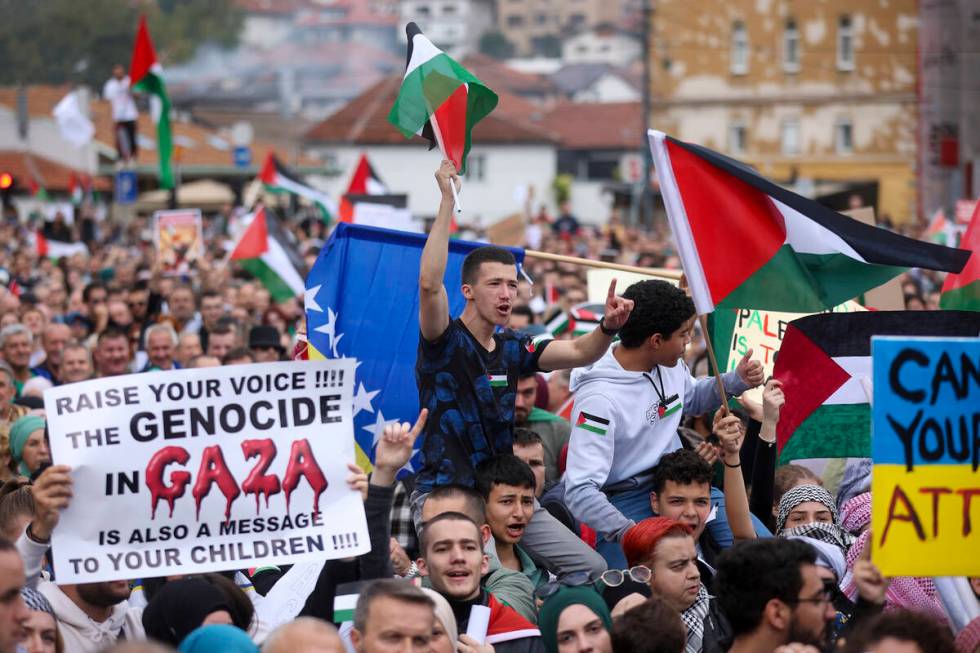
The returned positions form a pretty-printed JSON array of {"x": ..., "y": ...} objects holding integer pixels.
[
  {"x": 575, "y": 620},
  {"x": 445, "y": 634},
  {"x": 181, "y": 606},
  {"x": 41, "y": 627},
  {"x": 809, "y": 510},
  {"x": 28, "y": 445}
]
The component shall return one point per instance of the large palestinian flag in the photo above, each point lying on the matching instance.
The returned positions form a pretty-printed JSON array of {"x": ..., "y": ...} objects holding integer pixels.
[
  {"x": 745, "y": 242},
  {"x": 439, "y": 99},
  {"x": 962, "y": 291},
  {"x": 825, "y": 367},
  {"x": 146, "y": 74},
  {"x": 277, "y": 178},
  {"x": 265, "y": 252}
]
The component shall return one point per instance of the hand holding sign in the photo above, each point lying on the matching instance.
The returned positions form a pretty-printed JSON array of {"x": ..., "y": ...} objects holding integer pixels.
[
  {"x": 52, "y": 494},
  {"x": 750, "y": 371},
  {"x": 871, "y": 584},
  {"x": 617, "y": 309}
]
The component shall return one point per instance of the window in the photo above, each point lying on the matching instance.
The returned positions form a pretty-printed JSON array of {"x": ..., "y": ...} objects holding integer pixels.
[
  {"x": 844, "y": 136},
  {"x": 448, "y": 9},
  {"x": 791, "y": 47},
  {"x": 476, "y": 167},
  {"x": 738, "y": 136},
  {"x": 576, "y": 21},
  {"x": 740, "y": 49},
  {"x": 845, "y": 44},
  {"x": 515, "y": 20},
  {"x": 790, "y": 136},
  {"x": 541, "y": 19},
  {"x": 423, "y": 10}
]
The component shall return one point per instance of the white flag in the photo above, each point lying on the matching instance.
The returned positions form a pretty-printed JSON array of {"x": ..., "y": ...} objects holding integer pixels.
[{"x": 75, "y": 127}]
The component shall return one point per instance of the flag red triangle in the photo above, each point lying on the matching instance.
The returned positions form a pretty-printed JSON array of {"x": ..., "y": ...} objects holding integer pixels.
[
  {"x": 450, "y": 120},
  {"x": 269, "y": 170},
  {"x": 971, "y": 242},
  {"x": 358, "y": 181},
  {"x": 144, "y": 56},
  {"x": 255, "y": 241},
  {"x": 41, "y": 244}
]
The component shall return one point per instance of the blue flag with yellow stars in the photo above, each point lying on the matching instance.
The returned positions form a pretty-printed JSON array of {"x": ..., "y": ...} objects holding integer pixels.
[{"x": 362, "y": 301}]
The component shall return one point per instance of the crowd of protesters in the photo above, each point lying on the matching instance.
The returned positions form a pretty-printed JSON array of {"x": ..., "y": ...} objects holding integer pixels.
[{"x": 657, "y": 523}]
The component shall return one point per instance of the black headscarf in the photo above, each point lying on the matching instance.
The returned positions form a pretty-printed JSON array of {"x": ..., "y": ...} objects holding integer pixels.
[{"x": 181, "y": 606}]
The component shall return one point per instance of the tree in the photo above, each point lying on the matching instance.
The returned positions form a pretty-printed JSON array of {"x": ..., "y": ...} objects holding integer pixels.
[
  {"x": 494, "y": 44},
  {"x": 59, "y": 41}
]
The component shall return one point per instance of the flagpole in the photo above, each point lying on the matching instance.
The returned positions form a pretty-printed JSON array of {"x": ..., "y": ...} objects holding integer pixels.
[
  {"x": 589, "y": 263},
  {"x": 442, "y": 148},
  {"x": 714, "y": 364}
]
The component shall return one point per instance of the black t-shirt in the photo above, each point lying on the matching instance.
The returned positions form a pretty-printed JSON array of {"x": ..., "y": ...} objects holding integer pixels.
[{"x": 470, "y": 393}]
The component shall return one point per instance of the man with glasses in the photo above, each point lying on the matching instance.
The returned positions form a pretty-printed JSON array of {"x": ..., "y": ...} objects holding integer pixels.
[{"x": 772, "y": 595}]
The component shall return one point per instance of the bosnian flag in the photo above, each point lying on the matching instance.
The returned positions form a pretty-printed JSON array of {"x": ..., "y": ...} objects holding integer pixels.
[
  {"x": 439, "y": 99},
  {"x": 747, "y": 243},
  {"x": 824, "y": 364},
  {"x": 962, "y": 291},
  {"x": 277, "y": 178},
  {"x": 265, "y": 252},
  {"x": 146, "y": 74},
  {"x": 364, "y": 181}
]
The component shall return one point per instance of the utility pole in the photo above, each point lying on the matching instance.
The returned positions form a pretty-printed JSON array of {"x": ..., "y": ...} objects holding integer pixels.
[{"x": 646, "y": 197}]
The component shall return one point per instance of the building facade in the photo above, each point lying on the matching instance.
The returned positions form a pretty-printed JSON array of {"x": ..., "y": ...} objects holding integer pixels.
[
  {"x": 819, "y": 96},
  {"x": 537, "y": 27},
  {"x": 453, "y": 25}
]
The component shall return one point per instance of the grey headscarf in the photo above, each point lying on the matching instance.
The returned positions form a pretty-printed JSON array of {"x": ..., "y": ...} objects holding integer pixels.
[{"x": 828, "y": 555}]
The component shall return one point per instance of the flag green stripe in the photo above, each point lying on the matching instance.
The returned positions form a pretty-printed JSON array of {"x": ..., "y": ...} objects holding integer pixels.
[
  {"x": 153, "y": 84},
  {"x": 673, "y": 410},
  {"x": 965, "y": 298},
  {"x": 278, "y": 289},
  {"x": 807, "y": 283},
  {"x": 594, "y": 429},
  {"x": 340, "y": 616},
  {"x": 831, "y": 431}
]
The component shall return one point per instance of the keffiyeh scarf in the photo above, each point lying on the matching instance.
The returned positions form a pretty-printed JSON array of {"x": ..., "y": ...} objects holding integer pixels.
[
  {"x": 829, "y": 533},
  {"x": 693, "y": 618},
  {"x": 803, "y": 494}
]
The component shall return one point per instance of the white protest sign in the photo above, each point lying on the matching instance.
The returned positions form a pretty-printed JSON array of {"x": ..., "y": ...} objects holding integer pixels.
[
  {"x": 207, "y": 469},
  {"x": 598, "y": 280}
]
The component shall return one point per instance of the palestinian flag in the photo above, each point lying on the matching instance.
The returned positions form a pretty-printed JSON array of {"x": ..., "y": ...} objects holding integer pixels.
[
  {"x": 265, "y": 252},
  {"x": 938, "y": 229},
  {"x": 535, "y": 343},
  {"x": 36, "y": 190},
  {"x": 497, "y": 380},
  {"x": 56, "y": 249},
  {"x": 747, "y": 243},
  {"x": 962, "y": 291},
  {"x": 439, "y": 99},
  {"x": 277, "y": 178},
  {"x": 365, "y": 181},
  {"x": 594, "y": 423},
  {"x": 345, "y": 601},
  {"x": 584, "y": 321},
  {"x": 825, "y": 367},
  {"x": 146, "y": 75},
  {"x": 559, "y": 323}
]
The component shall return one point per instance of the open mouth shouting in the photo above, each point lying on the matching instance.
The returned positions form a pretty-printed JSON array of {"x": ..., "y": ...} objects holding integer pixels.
[{"x": 515, "y": 530}]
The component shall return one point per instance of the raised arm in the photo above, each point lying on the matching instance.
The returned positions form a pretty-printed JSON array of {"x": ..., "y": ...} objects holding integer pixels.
[
  {"x": 587, "y": 349},
  {"x": 729, "y": 432},
  {"x": 433, "y": 301}
]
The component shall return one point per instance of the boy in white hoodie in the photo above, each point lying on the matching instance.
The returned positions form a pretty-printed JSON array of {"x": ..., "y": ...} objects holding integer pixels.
[{"x": 628, "y": 407}]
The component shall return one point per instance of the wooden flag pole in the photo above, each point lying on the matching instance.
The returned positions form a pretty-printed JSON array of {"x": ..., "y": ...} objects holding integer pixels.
[
  {"x": 714, "y": 364},
  {"x": 561, "y": 258}
]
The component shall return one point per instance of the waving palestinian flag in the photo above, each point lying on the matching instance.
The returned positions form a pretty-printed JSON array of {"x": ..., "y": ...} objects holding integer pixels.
[
  {"x": 277, "y": 178},
  {"x": 146, "y": 74},
  {"x": 265, "y": 251},
  {"x": 962, "y": 291},
  {"x": 747, "y": 243},
  {"x": 364, "y": 181},
  {"x": 439, "y": 99},
  {"x": 824, "y": 364}
]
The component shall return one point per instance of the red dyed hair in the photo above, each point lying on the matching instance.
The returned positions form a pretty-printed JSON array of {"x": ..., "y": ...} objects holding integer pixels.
[{"x": 640, "y": 541}]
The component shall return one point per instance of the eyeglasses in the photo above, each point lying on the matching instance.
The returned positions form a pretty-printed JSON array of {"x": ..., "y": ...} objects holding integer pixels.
[
  {"x": 574, "y": 579},
  {"x": 827, "y": 594},
  {"x": 616, "y": 577}
]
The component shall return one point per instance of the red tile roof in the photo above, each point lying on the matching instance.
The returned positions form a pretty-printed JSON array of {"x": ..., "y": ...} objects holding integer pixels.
[
  {"x": 26, "y": 167},
  {"x": 364, "y": 121},
  {"x": 596, "y": 126},
  {"x": 500, "y": 76}
]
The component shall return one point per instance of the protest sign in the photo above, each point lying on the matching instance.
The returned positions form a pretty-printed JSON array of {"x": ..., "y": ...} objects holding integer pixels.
[
  {"x": 736, "y": 330},
  {"x": 206, "y": 469},
  {"x": 178, "y": 238},
  {"x": 598, "y": 280},
  {"x": 926, "y": 450}
]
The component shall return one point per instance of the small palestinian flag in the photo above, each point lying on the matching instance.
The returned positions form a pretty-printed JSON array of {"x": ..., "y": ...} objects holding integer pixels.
[
  {"x": 277, "y": 178},
  {"x": 497, "y": 380},
  {"x": 146, "y": 74},
  {"x": 559, "y": 323},
  {"x": 824, "y": 364},
  {"x": 345, "y": 601},
  {"x": 584, "y": 321},
  {"x": 535, "y": 343},
  {"x": 56, "y": 249},
  {"x": 597, "y": 425},
  {"x": 938, "y": 230},
  {"x": 264, "y": 250},
  {"x": 962, "y": 291},
  {"x": 747, "y": 243},
  {"x": 364, "y": 181},
  {"x": 439, "y": 100}
]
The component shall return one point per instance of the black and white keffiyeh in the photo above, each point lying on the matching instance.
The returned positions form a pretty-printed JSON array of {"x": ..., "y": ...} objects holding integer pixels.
[
  {"x": 803, "y": 494},
  {"x": 693, "y": 618}
]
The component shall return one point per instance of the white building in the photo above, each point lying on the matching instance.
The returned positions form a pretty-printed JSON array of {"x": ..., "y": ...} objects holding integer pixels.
[
  {"x": 453, "y": 25},
  {"x": 603, "y": 44},
  {"x": 597, "y": 82},
  {"x": 509, "y": 153}
]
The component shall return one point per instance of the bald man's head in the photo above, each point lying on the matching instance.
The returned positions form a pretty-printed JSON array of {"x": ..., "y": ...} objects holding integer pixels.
[{"x": 304, "y": 635}]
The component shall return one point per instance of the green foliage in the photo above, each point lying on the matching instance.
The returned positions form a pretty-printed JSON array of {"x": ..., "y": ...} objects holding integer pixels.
[
  {"x": 494, "y": 44},
  {"x": 562, "y": 188},
  {"x": 59, "y": 41}
]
